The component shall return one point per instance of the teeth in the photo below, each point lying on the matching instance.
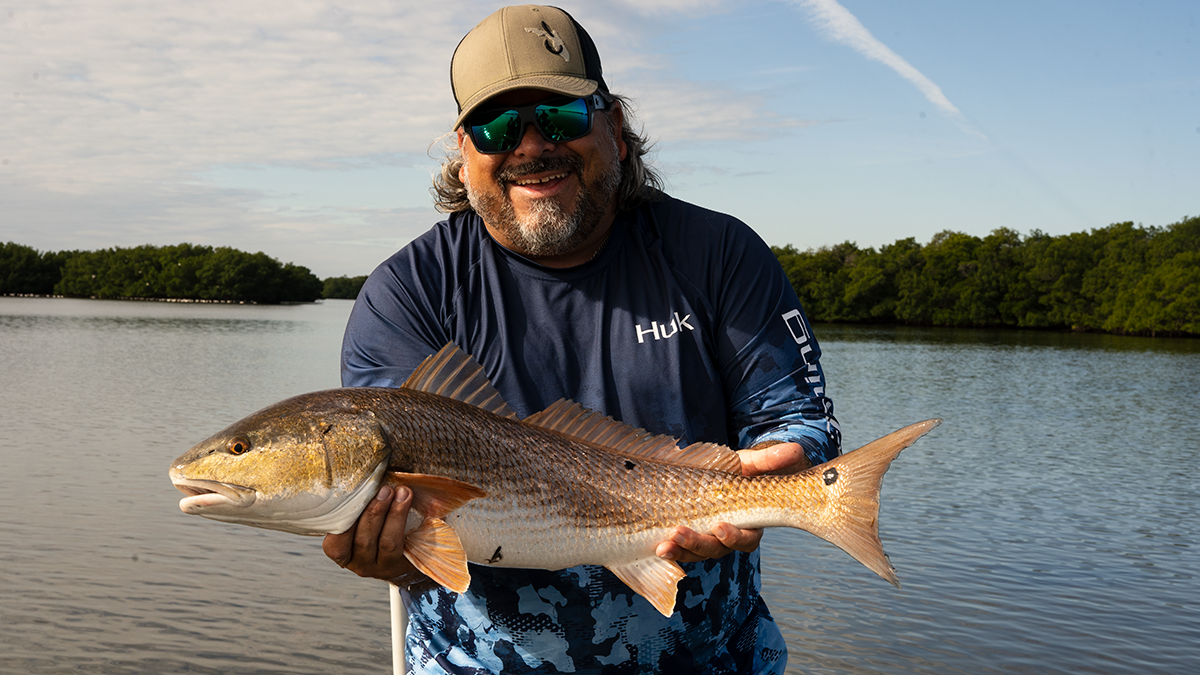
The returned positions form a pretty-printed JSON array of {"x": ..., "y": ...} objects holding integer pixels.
[{"x": 533, "y": 181}]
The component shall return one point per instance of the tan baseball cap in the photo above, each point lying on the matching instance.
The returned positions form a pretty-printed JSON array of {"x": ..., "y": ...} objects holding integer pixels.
[{"x": 524, "y": 46}]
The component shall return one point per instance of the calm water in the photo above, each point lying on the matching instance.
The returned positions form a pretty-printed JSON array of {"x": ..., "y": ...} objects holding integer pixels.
[{"x": 1047, "y": 527}]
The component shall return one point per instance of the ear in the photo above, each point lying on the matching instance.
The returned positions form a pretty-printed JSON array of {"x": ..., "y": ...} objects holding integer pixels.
[
  {"x": 462, "y": 152},
  {"x": 618, "y": 120}
]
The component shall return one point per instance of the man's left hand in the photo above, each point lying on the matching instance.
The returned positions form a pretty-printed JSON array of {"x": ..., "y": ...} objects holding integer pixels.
[{"x": 687, "y": 545}]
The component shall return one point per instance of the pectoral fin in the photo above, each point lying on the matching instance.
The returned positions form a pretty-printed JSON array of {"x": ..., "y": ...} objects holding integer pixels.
[
  {"x": 655, "y": 579},
  {"x": 434, "y": 548},
  {"x": 435, "y": 496}
]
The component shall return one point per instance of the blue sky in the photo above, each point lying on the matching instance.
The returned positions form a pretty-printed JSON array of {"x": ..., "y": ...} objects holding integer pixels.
[{"x": 308, "y": 129}]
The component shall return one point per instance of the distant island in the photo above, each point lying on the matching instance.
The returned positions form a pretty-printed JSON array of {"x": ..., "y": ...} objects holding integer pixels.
[
  {"x": 180, "y": 272},
  {"x": 1124, "y": 279}
]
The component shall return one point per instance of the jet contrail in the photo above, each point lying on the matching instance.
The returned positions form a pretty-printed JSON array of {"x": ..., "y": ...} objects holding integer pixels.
[{"x": 837, "y": 24}]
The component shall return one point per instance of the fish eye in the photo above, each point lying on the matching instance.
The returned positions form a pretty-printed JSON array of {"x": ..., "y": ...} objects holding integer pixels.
[{"x": 238, "y": 445}]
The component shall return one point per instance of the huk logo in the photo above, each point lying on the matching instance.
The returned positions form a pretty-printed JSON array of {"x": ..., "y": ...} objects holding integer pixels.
[
  {"x": 660, "y": 330},
  {"x": 795, "y": 324},
  {"x": 554, "y": 44}
]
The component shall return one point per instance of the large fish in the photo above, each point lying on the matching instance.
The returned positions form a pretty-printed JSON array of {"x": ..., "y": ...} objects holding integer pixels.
[{"x": 566, "y": 486}]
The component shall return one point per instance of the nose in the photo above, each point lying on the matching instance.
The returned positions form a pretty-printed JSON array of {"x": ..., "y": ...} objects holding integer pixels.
[{"x": 533, "y": 144}]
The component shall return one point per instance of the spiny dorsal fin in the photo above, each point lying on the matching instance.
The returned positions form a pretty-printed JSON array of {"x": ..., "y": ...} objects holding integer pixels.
[
  {"x": 574, "y": 420},
  {"x": 454, "y": 374},
  {"x": 655, "y": 579}
]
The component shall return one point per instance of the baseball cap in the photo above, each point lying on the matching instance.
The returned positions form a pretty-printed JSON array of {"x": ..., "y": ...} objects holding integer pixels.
[{"x": 524, "y": 46}]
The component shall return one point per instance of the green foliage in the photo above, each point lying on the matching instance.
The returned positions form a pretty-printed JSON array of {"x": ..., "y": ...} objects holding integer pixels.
[
  {"x": 343, "y": 288},
  {"x": 24, "y": 271},
  {"x": 1122, "y": 278},
  {"x": 185, "y": 271}
]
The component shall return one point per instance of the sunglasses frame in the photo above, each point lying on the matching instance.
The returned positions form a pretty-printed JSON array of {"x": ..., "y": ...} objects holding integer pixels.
[{"x": 527, "y": 115}]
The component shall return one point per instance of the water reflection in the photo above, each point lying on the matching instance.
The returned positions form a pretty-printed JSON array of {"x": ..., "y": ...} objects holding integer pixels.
[{"x": 1003, "y": 338}]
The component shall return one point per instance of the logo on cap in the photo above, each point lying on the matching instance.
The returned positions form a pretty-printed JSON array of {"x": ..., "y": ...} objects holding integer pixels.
[{"x": 554, "y": 44}]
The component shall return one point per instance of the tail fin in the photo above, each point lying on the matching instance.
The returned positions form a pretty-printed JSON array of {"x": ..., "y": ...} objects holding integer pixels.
[{"x": 851, "y": 519}]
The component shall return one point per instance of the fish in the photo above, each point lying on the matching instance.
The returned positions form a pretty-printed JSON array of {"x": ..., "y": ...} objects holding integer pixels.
[{"x": 563, "y": 487}]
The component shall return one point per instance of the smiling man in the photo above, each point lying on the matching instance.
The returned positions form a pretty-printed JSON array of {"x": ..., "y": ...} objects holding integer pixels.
[{"x": 567, "y": 273}]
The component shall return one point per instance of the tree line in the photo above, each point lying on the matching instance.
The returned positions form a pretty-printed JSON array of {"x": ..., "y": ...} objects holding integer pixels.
[
  {"x": 1120, "y": 279},
  {"x": 184, "y": 271},
  {"x": 1123, "y": 278}
]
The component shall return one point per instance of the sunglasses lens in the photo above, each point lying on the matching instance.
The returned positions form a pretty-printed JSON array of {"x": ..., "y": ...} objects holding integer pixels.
[
  {"x": 499, "y": 134},
  {"x": 563, "y": 121},
  {"x": 559, "y": 120}
]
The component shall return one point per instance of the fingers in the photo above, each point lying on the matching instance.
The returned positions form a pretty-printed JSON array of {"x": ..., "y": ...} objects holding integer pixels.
[
  {"x": 374, "y": 546},
  {"x": 778, "y": 459},
  {"x": 687, "y": 545},
  {"x": 391, "y": 534},
  {"x": 370, "y": 523},
  {"x": 339, "y": 547}
]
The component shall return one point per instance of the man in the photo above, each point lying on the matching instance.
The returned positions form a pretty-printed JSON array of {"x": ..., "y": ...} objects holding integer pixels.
[{"x": 567, "y": 274}]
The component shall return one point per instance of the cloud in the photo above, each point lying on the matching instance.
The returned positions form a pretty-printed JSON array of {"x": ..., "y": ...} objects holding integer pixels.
[
  {"x": 133, "y": 90},
  {"x": 709, "y": 113},
  {"x": 118, "y": 117},
  {"x": 837, "y": 24}
]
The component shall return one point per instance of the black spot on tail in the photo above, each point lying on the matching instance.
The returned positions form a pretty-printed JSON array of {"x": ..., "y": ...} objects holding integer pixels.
[
  {"x": 630, "y": 466},
  {"x": 830, "y": 475}
]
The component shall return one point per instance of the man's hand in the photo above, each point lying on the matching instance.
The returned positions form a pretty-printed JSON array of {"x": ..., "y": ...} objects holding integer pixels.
[
  {"x": 687, "y": 545},
  {"x": 374, "y": 546}
]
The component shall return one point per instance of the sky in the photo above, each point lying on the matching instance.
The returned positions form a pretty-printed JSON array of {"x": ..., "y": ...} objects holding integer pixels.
[{"x": 309, "y": 129}]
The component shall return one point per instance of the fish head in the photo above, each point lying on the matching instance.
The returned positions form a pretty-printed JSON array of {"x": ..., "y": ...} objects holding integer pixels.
[{"x": 306, "y": 465}]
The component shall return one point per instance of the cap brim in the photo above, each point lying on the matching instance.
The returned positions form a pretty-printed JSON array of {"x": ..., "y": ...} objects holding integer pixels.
[{"x": 558, "y": 84}]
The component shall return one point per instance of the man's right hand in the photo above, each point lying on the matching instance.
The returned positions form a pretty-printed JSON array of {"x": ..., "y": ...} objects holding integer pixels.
[{"x": 374, "y": 546}]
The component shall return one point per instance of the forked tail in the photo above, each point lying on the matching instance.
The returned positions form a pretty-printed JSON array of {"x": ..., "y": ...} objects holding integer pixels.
[{"x": 850, "y": 518}]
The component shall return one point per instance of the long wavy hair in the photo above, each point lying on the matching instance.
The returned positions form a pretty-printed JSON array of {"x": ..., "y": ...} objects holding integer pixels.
[{"x": 639, "y": 181}]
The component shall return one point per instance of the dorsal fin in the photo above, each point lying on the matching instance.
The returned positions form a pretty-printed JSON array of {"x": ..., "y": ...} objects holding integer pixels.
[
  {"x": 574, "y": 420},
  {"x": 454, "y": 374}
]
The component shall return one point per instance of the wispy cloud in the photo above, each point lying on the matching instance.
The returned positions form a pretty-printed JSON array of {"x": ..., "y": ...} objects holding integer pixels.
[
  {"x": 128, "y": 90},
  {"x": 837, "y": 24}
]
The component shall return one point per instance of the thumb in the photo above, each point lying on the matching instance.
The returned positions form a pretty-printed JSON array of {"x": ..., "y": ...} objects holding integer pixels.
[{"x": 773, "y": 457}]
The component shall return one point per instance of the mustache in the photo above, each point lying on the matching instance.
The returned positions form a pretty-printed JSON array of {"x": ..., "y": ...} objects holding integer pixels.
[{"x": 539, "y": 165}]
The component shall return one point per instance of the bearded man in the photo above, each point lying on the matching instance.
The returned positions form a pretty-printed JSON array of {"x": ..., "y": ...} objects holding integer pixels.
[{"x": 567, "y": 273}]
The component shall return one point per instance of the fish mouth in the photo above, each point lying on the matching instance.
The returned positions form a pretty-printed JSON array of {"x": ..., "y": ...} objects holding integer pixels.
[{"x": 205, "y": 494}]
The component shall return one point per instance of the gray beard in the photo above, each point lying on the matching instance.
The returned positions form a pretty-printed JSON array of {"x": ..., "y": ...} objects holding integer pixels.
[{"x": 549, "y": 229}]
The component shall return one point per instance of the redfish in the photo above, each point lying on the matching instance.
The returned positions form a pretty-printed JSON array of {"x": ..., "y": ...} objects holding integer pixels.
[{"x": 566, "y": 486}]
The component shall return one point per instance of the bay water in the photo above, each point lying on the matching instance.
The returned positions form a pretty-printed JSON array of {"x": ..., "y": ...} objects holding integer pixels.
[{"x": 1048, "y": 526}]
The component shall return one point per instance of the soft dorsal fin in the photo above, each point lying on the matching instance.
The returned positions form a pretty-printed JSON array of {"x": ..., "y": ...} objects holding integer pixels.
[
  {"x": 454, "y": 374},
  {"x": 574, "y": 420}
]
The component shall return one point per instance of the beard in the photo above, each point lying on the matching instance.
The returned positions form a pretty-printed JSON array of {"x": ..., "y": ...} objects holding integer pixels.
[{"x": 549, "y": 228}]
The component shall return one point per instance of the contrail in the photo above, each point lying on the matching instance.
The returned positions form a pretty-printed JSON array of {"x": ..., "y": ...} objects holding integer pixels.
[{"x": 837, "y": 24}]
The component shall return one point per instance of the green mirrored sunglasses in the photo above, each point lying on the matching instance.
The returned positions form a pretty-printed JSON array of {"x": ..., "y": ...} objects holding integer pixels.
[{"x": 558, "y": 120}]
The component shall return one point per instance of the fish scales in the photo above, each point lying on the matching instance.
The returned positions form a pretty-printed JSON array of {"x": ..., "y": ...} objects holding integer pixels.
[
  {"x": 551, "y": 477},
  {"x": 564, "y": 487}
]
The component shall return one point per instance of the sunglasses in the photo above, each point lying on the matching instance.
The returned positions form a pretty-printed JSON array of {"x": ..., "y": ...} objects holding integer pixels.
[{"x": 558, "y": 120}]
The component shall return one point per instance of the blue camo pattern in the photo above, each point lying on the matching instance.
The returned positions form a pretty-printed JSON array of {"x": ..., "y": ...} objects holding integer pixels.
[{"x": 622, "y": 633}]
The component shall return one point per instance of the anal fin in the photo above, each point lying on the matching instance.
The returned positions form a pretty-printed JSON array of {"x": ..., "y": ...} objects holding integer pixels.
[
  {"x": 655, "y": 579},
  {"x": 434, "y": 548}
]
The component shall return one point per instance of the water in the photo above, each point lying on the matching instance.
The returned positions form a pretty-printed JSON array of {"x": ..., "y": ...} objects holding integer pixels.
[{"x": 1045, "y": 527}]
